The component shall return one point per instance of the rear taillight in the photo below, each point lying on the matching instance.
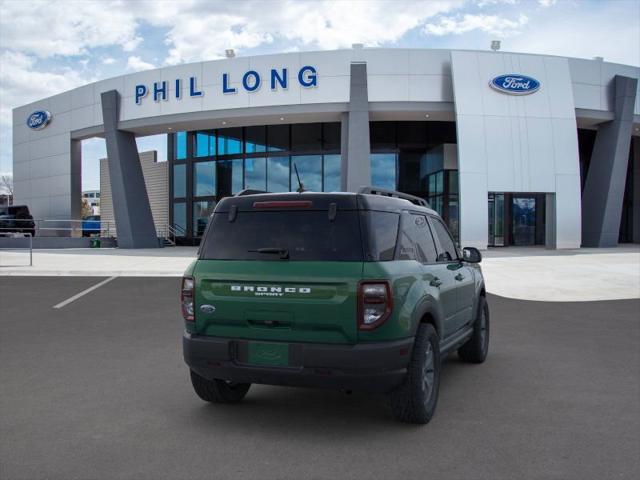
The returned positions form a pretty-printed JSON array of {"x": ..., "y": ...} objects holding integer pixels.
[
  {"x": 186, "y": 298},
  {"x": 374, "y": 304}
]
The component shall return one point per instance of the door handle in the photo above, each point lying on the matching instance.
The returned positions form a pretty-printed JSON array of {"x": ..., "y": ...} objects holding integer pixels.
[
  {"x": 436, "y": 282},
  {"x": 459, "y": 277}
]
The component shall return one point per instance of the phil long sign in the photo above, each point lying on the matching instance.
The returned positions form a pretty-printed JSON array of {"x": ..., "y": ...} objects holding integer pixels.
[
  {"x": 515, "y": 84},
  {"x": 251, "y": 81}
]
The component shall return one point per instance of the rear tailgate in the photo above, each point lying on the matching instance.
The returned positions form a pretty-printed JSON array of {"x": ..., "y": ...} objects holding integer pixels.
[{"x": 296, "y": 301}]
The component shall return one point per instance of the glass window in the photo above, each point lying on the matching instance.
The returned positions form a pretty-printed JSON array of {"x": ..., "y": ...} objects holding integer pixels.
[
  {"x": 332, "y": 165},
  {"x": 278, "y": 174},
  {"x": 453, "y": 181},
  {"x": 230, "y": 141},
  {"x": 180, "y": 217},
  {"x": 412, "y": 135},
  {"x": 255, "y": 139},
  {"x": 304, "y": 235},
  {"x": 306, "y": 136},
  {"x": 204, "y": 179},
  {"x": 255, "y": 173},
  {"x": 331, "y": 133},
  {"x": 201, "y": 212},
  {"x": 179, "y": 181},
  {"x": 383, "y": 135},
  {"x": 382, "y": 228},
  {"x": 180, "y": 145},
  {"x": 310, "y": 171},
  {"x": 417, "y": 242},
  {"x": 205, "y": 144},
  {"x": 278, "y": 138},
  {"x": 229, "y": 177},
  {"x": 383, "y": 170},
  {"x": 448, "y": 249}
]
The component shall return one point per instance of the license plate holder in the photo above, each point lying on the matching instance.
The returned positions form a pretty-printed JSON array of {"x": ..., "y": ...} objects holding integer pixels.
[{"x": 268, "y": 354}]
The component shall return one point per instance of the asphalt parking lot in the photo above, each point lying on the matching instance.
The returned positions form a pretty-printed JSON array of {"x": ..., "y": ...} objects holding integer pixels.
[{"x": 97, "y": 389}]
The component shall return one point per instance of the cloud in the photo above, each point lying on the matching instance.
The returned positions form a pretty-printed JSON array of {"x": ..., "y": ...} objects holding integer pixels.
[
  {"x": 203, "y": 30},
  {"x": 491, "y": 24},
  {"x": 44, "y": 29},
  {"x": 108, "y": 61},
  {"x": 135, "y": 64}
]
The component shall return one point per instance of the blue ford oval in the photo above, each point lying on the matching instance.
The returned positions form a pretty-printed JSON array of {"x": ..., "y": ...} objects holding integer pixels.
[
  {"x": 515, "y": 84},
  {"x": 38, "y": 119}
]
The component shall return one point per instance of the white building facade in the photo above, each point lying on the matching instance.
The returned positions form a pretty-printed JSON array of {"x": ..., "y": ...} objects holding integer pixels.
[{"x": 512, "y": 149}]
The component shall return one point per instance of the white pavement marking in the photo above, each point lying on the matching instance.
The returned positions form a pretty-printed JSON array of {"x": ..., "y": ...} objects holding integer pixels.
[{"x": 83, "y": 293}]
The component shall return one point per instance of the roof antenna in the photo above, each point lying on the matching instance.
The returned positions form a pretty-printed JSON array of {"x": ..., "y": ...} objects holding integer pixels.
[{"x": 300, "y": 184}]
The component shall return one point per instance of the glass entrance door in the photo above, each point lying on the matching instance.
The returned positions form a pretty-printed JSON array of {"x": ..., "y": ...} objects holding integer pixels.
[
  {"x": 496, "y": 220},
  {"x": 523, "y": 214}
]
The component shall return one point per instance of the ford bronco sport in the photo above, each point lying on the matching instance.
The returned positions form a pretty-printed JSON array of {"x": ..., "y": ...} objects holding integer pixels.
[{"x": 356, "y": 291}]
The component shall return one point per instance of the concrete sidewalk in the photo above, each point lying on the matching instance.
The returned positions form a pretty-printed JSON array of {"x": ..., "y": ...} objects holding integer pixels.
[{"x": 522, "y": 273}]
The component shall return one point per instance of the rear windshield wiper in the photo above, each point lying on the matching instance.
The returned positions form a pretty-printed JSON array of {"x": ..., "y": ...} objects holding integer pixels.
[{"x": 283, "y": 252}]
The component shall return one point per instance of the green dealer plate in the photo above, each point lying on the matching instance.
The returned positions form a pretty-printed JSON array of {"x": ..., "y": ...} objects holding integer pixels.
[{"x": 269, "y": 354}]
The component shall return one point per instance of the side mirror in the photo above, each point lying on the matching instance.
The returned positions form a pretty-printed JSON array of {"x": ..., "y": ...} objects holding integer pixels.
[{"x": 471, "y": 255}]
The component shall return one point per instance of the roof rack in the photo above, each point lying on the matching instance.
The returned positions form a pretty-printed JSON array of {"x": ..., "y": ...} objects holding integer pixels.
[
  {"x": 392, "y": 193},
  {"x": 249, "y": 191}
]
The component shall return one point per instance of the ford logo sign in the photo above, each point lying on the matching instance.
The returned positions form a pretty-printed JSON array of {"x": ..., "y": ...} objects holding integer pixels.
[
  {"x": 38, "y": 120},
  {"x": 515, "y": 84}
]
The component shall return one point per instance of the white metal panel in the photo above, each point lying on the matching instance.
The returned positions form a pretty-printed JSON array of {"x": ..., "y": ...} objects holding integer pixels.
[
  {"x": 82, "y": 117},
  {"x": 235, "y": 67},
  {"x": 430, "y": 88},
  {"x": 429, "y": 62},
  {"x": 388, "y": 88},
  {"x": 386, "y": 61}
]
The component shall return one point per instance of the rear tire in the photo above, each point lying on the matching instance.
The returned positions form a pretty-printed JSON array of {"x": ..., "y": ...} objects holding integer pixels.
[
  {"x": 218, "y": 391},
  {"x": 477, "y": 347},
  {"x": 415, "y": 400}
]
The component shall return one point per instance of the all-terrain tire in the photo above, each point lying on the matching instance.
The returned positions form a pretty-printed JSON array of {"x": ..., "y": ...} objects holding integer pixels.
[
  {"x": 218, "y": 391},
  {"x": 477, "y": 347},
  {"x": 415, "y": 400}
]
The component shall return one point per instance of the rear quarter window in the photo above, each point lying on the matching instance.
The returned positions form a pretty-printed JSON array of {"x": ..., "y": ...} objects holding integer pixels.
[{"x": 381, "y": 230}]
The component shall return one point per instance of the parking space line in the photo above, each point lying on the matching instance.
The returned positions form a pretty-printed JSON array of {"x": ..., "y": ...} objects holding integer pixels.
[{"x": 83, "y": 293}]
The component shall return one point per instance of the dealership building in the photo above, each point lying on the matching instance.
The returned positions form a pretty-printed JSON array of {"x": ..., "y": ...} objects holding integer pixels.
[{"x": 511, "y": 149}]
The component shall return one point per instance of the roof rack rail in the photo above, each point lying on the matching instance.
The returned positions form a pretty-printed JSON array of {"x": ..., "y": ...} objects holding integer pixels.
[
  {"x": 249, "y": 191},
  {"x": 392, "y": 193}
]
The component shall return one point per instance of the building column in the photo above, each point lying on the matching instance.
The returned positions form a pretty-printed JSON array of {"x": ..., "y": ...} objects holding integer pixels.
[
  {"x": 604, "y": 187},
  {"x": 134, "y": 222},
  {"x": 356, "y": 164}
]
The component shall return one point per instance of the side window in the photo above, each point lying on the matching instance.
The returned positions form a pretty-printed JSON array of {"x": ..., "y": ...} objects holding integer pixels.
[
  {"x": 449, "y": 252},
  {"x": 383, "y": 232},
  {"x": 416, "y": 241}
]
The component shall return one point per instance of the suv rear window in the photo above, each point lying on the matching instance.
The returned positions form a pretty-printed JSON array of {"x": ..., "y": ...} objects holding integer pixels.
[{"x": 304, "y": 235}]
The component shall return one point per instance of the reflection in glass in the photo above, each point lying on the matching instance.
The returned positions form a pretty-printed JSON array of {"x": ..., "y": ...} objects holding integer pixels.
[
  {"x": 179, "y": 181},
  {"x": 255, "y": 139},
  {"x": 255, "y": 173},
  {"x": 310, "y": 171},
  {"x": 205, "y": 144},
  {"x": 332, "y": 173},
  {"x": 229, "y": 141},
  {"x": 180, "y": 216},
  {"x": 229, "y": 177},
  {"x": 180, "y": 145},
  {"x": 383, "y": 170},
  {"x": 201, "y": 212},
  {"x": 204, "y": 179},
  {"x": 278, "y": 174}
]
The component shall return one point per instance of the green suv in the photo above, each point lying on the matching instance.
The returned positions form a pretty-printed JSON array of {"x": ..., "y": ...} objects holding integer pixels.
[{"x": 354, "y": 291}]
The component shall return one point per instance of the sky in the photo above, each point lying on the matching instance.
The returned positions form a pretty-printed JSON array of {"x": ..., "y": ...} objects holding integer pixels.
[{"x": 47, "y": 47}]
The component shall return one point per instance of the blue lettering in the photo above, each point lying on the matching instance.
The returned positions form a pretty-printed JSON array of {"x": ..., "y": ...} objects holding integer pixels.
[
  {"x": 192, "y": 88},
  {"x": 157, "y": 90},
  {"x": 141, "y": 92},
  {"x": 225, "y": 84},
  {"x": 310, "y": 80},
  {"x": 275, "y": 77},
  {"x": 178, "y": 88},
  {"x": 256, "y": 81}
]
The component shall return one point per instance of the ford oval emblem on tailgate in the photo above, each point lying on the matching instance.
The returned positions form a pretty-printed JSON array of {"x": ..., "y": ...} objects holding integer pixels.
[{"x": 207, "y": 308}]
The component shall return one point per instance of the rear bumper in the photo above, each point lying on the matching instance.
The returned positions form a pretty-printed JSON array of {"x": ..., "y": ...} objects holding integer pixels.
[{"x": 368, "y": 367}]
